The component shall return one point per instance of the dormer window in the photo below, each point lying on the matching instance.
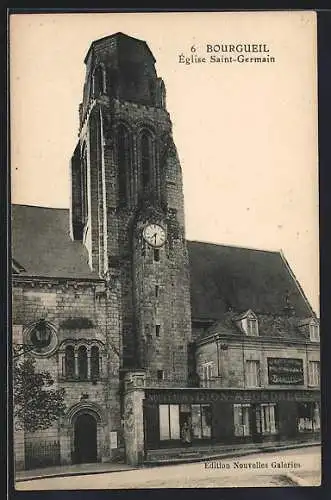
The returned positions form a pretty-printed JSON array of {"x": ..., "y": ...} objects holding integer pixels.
[
  {"x": 252, "y": 327},
  {"x": 248, "y": 323},
  {"x": 314, "y": 332}
]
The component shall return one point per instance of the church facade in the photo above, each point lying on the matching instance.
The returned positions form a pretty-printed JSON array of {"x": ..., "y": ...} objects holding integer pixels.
[{"x": 160, "y": 343}]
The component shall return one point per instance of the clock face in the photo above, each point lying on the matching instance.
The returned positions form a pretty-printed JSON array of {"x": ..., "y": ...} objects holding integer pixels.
[{"x": 154, "y": 235}]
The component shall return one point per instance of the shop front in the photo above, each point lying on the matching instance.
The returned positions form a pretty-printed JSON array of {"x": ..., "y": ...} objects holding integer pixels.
[{"x": 192, "y": 417}]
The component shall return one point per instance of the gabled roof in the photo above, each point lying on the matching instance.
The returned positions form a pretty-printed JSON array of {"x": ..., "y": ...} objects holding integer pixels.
[
  {"x": 223, "y": 277},
  {"x": 227, "y": 278},
  {"x": 42, "y": 246},
  {"x": 249, "y": 313}
]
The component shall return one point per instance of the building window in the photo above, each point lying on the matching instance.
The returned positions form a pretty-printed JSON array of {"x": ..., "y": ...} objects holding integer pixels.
[
  {"x": 85, "y": 363},
  {"x": 266, "y": 419},
  {"x": 157, "y": 330},
  {"x": 201, "y": 421},
  {"x": 156, "y": 255},
  {"x": 252, "y": 327},
  {"x": 241, "y": 419},
  {"x": 314, "y": 373},
  {"x": 123, "y": 161},
  {"x": 169, "y": 422},
  {"x": 160, "y": 374},
  {"x": 309, "y": 417},
  {"x": 95, "y": 363},
  {"x": 207, "y": 370},
  {"x": 314, "y": 332},
  {"x": 82, "y": 363},
  {"x": 69, "y": 362},
  {"x": 98, "y": 81},
  {"x": 84, "y": 185},
  {"x": 146, "y": 158},
  {"x": 253, "y": 373},
  {"x": 156, "y": 291}
]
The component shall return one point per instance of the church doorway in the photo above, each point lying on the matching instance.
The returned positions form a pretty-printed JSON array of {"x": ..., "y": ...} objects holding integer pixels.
[{"x": 85, "y": 440}]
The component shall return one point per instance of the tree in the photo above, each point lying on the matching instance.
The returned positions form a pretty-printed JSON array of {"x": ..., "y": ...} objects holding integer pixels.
[{"x": 36, "y": 404}]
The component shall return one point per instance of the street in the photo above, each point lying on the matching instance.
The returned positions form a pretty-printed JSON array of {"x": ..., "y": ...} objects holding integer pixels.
[{"x": 265, "y": 469}]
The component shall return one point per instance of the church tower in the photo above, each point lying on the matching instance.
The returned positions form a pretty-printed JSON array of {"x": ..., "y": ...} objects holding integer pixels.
[{"x": 127, "y": 205}]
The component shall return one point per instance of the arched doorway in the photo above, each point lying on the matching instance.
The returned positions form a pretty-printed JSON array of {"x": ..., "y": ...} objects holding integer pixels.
[{"x": 85, "y": 439}]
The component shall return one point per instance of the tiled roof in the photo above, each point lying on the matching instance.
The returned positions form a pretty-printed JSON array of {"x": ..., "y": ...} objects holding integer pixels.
[
  {"x": 223, "y": 277},
  {"x": 41, "y": 244},
  {"x": 231, "y": 278}
]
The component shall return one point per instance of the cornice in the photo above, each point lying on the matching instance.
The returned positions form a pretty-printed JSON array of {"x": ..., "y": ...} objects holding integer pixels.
[
  {"x": 41, "y": 282},
  {"x": 255, "y": 341}
]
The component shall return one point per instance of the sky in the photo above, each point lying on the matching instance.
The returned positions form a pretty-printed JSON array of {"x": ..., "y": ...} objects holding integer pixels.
[{"x": 246, "y": 133}]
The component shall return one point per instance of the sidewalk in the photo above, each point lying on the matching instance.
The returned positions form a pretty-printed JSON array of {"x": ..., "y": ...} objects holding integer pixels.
[
  {"x": 172, "y": 457},
  {"x": 71, "y": 470},
  {"x": 183, "y": 456}
]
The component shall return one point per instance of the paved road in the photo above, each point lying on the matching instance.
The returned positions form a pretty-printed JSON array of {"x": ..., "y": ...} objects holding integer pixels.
[{"x": 267, "y": 469}]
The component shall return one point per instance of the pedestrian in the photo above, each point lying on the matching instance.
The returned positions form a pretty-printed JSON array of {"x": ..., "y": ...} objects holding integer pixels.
[{"x": 186, "y": 433}]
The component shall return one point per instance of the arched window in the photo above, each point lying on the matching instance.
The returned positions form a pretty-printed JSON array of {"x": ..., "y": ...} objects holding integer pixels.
[
  {"x": 82, "y": 363},
  {"x": 146, "y": 158},
  {"x": 69, "y": 361},
  {"x": 162, "y": 95},
  {"x": 98, "y": 86},
  {"x": 123, "y": 160},
  {"x": 95, "y": 363},
  {"x": 84, "y": 186}
]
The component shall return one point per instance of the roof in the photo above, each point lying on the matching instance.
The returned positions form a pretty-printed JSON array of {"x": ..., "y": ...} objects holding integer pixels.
[
  {"x": 227, "y": 278},
  {"x": 223, "y": 277},
  {"x": 120, "y": 36},
  {"x": 41, "y": 244},
  {"x": 271, "y": 326}
]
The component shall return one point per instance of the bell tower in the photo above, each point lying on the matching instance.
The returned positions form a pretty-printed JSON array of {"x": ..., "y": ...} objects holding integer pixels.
[{"x": 127, "y": 204}]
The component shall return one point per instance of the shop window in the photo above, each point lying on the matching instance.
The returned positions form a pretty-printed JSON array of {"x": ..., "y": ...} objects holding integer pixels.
[
  {"x": 95, "y": 363},
  {"x": 253, "y": 373},
  {"x": 82, "y": 363},
  {"x": 241, "y": 419},
  {"x": 169, "y": 422},
  {"x": 314, "y": 373},
  {"x": 69, "y": 362},
  {"x": 201, "y": 421},
  {"x": 308, "y": 417},
  {"x": 207, "y": 374},
  {"x": 266, "y": 419},
  {"x": 314, "y": 332}
]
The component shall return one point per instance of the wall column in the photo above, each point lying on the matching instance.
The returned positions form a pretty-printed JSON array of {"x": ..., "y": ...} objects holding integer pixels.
[
  {"x": 76, "y": 363},
  {"x": 134, "y": 394},
  {"x": 18, "y": 437},
  {"x": 65, "y": 434}
]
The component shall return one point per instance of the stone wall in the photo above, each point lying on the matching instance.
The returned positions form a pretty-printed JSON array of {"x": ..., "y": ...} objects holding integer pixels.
[
  {"x": 82, "y": 313},
  {"x": 230, "y": 355}
]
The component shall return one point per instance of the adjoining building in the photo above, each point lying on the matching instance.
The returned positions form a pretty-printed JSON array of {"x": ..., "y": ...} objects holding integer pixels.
[{"x": 159, "y": 342}]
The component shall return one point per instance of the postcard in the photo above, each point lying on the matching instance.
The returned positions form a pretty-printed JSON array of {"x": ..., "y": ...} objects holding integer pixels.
[{"x": 165, "y": 253}]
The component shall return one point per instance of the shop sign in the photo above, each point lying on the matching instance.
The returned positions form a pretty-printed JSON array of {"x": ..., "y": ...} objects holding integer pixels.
[
  {"x": 285, "y": 371},
  {"x": 183, "y": 396}
]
